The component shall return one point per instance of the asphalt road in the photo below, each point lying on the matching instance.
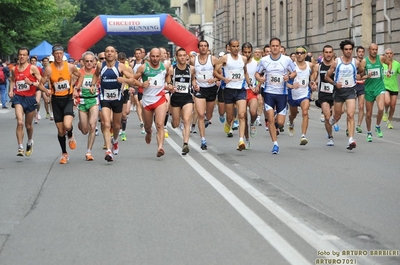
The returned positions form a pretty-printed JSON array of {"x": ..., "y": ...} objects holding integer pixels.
[{"x": 219, "y": 206}]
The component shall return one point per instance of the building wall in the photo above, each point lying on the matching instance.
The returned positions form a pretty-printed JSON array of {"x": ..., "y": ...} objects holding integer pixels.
[{"x": 313, "y": 23}]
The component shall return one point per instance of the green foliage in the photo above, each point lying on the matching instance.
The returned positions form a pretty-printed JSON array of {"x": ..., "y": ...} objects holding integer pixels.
[{"x": 29, "y": 22}]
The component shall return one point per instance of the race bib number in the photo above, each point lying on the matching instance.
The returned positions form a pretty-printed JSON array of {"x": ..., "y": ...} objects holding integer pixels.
[
  {"x": 275, "y": 79},
  {"x": 326, "y": 88},
  {"x": 111, "y": 94},
  {"x": 204, "y": 75},
  {"x": 236, "y": 75},
  {"x": 182, "y": 87},
  {"x": 374, "y": 72},
  {"x": 22, "y": 86},
  {"x": 303, "y": 82},
  {"x": 156, "y": 82},
  {"x": 387, "y": 71},
  {"x": 347, "y": 81},
  {"x": 61, "y": 86},
  {"x": 87, "y": 82}
]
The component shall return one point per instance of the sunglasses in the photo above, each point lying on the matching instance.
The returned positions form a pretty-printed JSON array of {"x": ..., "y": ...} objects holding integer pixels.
[
  {"x": 102, "y": 58},
  {"x": 89, "y": 61},
  {"x": 300, "y": 52}
]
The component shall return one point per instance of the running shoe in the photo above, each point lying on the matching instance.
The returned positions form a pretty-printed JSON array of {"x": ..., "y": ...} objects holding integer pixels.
[
  {"x": 222, "y": 118},
  {"x": 303, "y": 140},
  {"x": 104, "y": 147},
  {"x": 266, "y": 126},
  {"x": 322, "y": 118},
  {"x": 275, "y": 150},
  {"x": 35, "y": 120},
  {"x": 38, "y": 116},
  {"x": 115, "y": 147},
  {"x": 332, "y": 121},
  {"x": 230, "y": 134},
  {"x": 336, "y": 127},
  {"x": 206, "y": 123},
  {"x": 347, "y": 132},
  {"x": 51, "y": 117},
  {"x": 358, "y": 129},
  {"x": 351, "y": 145},
  {"x": 369, "y": 137},
  {"x": 291, "y": 130},
  {"x": 227, "y": 128},
  {"x": 385, "y": 116},
  {"x": 97, "y": 132},
  {"x": 193, "y": 129},
  {"x": 378, "y": 131},
  {"x": 203, "y": 144},
  {"x": 389, "y": 125},
  {"x": 235, "y": 125},
  {"x": 29, "y": 149},
  {"x": 89, "y": 157},
  {"x": 253, "y": 130},
  {"x": 123, "y": 136},
  {"x": 47, "y": 116},
  {"x": 64, "y": 158},
  {"x": 247, "y": 142},
  {"x": 20, "y": 152},
  {"x": 257, "y": 122},
  {"x": 241, "y": 146},
  {"x": 142, "y": 131},
  {"x": 330, "y": 142},
  {"x": 72, "y": 142},
  {"x": 181, "y": 125},
  {"x": 109, "y": 156},
  {"x": 185, "y": 149},
  {"x": 166, "y": 134}
]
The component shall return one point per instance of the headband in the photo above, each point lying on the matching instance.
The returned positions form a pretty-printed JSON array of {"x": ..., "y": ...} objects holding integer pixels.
[{"x": 57, "y": 48}]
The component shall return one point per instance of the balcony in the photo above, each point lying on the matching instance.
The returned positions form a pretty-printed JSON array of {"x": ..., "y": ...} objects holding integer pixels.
[
  {"x": 175, "y": 3},
  {"x": 194, "y": 19}
]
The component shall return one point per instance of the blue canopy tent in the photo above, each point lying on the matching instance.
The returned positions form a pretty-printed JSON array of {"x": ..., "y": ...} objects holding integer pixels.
[{"x": 44, "y": 49}]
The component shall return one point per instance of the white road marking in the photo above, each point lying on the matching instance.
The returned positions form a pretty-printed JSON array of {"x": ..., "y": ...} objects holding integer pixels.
[
  {"x": 269, "y": 234},
  {"x": 317, "y": 239}
]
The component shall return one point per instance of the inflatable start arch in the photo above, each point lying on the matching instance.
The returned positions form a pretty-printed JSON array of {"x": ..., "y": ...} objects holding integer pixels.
[{"x": 124, "y": 25}]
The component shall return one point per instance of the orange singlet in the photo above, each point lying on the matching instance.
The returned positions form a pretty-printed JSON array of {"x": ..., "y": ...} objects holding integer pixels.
[{"x": 61, "y": 81}]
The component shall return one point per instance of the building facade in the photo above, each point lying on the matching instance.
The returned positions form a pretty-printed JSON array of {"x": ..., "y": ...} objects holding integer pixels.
[{"x": 313, "y": 23}]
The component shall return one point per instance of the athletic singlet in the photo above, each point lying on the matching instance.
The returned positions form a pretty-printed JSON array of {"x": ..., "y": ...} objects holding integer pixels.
[
  {"x": 22, "y": 88},
  {"x": 84, "y": 91},
  {"x": 274, "y": 72},
  {"x": 251, "y": 71},
  {"x": 204, "y": 72},
  {"x": 135, "y": 68},
  {"x": 61, "y": 80},
  {"x": 303, "y": 79},
  {"x": 323, "y": 86},
  {"x": 391, "y": 82},
  {"x": 110, "y": 88},
  {"x": 156, "y": 78},
  {"x": 375, "y": 82},
  {"x": 346, "y": 73},
  {"x": 235, "y": 72},
  {"x": 182, "y": 80}
]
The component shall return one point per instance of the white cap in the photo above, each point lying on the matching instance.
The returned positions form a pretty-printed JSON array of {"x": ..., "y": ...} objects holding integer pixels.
[{"x": 221, "y": 54}]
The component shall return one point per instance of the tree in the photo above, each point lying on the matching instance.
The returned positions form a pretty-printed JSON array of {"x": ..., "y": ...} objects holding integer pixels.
[{"x": 27, "y": 23}]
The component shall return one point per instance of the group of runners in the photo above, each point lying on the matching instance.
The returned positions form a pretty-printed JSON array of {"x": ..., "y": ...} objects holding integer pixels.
[{"x": 245, "y": 81}]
